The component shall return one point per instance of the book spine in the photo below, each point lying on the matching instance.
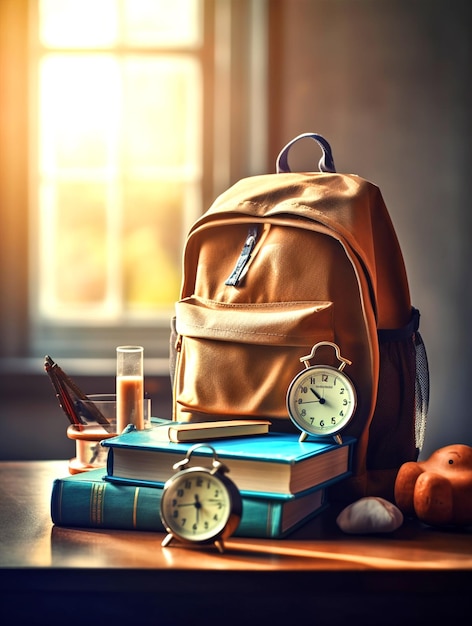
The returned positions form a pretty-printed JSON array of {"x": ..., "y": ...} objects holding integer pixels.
[
  {"x": 100, "y": 504},
  {"x": 97, "y": 504}
]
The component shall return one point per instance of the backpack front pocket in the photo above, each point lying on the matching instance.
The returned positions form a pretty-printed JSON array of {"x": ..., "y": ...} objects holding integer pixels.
[{"x": 237, "y": 360}]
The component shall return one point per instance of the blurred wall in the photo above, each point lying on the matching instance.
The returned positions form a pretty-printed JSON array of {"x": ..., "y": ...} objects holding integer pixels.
[{"x": 388, "y": 83}]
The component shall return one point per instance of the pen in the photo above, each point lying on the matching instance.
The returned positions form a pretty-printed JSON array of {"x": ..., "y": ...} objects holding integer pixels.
[
  {"x": 63, "y": 385},
  {"x": 63, "y": 397}
]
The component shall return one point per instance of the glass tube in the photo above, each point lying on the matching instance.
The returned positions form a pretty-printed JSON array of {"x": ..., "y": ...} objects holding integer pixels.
[{"x": 129, "y": 387}]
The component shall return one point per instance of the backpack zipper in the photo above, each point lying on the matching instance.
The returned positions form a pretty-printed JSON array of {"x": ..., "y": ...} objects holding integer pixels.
[{"x": 236, "y": 275}]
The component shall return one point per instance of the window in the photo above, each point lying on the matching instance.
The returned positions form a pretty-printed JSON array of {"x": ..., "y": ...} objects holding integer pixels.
[
  {"x": 118, "y": 104},
  {"x": 133, "y": 116}
]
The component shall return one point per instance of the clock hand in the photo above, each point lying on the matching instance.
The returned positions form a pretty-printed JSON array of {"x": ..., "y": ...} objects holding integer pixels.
[
  {"x": 198, "y": 506},
  {"x": 322, "y": 400}
]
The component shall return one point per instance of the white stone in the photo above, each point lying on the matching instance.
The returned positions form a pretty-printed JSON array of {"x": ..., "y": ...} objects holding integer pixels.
[{"x": 370, "y": 515}]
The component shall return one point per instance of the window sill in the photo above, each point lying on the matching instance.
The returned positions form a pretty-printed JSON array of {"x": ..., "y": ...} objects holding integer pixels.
[{"x": 78, "y": 366}]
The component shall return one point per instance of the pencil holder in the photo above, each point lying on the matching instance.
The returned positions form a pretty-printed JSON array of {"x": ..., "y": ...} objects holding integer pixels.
[{"x": 90, "y": 454}]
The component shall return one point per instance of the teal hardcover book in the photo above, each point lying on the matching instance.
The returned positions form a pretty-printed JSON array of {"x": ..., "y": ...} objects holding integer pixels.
[
  {"x": 88, "y": 501},
  {"x": 273, "y": 463}
]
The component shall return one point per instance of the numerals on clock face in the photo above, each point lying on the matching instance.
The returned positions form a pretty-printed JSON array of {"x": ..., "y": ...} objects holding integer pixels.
[{"x": 197, "y": 506}]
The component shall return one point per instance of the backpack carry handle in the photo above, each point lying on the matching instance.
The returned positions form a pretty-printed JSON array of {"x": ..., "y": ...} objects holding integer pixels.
[{"x": 325, "y": 164}]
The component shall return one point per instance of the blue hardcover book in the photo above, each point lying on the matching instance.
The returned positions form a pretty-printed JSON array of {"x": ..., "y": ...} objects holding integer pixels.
[
  {"x": 273, "y": 463},
  {"x": 88, "y": 501}
]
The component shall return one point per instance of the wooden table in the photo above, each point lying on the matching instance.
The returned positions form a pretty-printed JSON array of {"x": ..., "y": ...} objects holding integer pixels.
[{"x": 51, "y": 575}]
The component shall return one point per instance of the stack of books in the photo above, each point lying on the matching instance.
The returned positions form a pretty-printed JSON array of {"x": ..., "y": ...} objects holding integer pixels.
[{"x": 282, "y": 481}]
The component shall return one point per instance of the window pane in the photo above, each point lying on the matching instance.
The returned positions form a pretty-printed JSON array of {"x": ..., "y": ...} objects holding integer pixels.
[
  {"x": 79, "y": 111},
  {"x": 74, "y": 246},
  {"x": 81, "y": 243},
  {"x": 152, "y": 234},
  {"x": 162, "y": 22},
  {"x": 78, "y": 23},
  {"x": 162, "y": 110}
]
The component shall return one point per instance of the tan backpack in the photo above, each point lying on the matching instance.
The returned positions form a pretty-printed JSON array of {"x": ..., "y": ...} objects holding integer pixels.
[{"x": 278, "y": 263}]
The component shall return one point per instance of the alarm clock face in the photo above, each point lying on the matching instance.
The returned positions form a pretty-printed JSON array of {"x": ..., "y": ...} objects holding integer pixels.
[
  {"x": 321, "y": 400},
  {"x": 196, "y": 505}
]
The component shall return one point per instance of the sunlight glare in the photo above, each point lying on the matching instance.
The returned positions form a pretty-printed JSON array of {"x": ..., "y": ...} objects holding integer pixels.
[
  {"x": 79, "y": 99},
  {"x": 161, "y": 22},
  {"x": 78, "y": 23},
  {"x": 119, "y": 153}
]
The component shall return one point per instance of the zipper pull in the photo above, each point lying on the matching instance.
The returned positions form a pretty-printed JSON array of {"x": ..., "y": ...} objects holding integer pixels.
[{"x": 235, "y": 276}]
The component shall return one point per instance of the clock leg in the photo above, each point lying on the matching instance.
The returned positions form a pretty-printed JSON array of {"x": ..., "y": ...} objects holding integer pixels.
[
  {"x": 167, "y": 540},
  {"x": 220, "y": 545},
  {"x": 303, "y": 436},
  {"x": 337, "y": 439}
]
